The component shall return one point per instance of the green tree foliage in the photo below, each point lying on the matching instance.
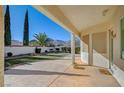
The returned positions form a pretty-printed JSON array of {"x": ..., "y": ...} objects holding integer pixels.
[
  {"x": 41, "y": 39},
  {"x": 7, "y": 35},
  {"x": 33, "y": 43},
  {"x": 77, "y": 50},
  {"x": 26, "y": 31}
]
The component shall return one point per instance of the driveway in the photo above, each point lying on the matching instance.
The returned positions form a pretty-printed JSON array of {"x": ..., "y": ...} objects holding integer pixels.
[{"x": 56, "y": 73}]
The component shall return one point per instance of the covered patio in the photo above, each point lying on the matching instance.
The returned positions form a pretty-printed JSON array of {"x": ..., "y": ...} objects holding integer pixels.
[
  {"x": 99, "y": 32},
  {"x": 58, "y": 73}
]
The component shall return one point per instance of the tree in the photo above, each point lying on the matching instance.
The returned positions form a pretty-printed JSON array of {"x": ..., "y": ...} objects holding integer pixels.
[
  {"x": 7, "y": 35},
  {"x": 33, "y": 43},
  {"x": 41, "y": 39},
  {"x": 26, "y": 30}
]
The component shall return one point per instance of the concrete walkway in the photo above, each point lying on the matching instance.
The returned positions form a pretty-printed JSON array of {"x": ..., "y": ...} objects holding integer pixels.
[{"x": 58, "y": 73}]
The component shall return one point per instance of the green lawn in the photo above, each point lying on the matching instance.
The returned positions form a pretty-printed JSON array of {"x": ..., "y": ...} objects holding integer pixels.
[{"x": 30, "y": 59}]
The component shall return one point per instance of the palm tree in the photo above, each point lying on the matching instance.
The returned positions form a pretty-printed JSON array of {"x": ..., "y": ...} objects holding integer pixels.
[
  {"x": 26, "y": 30},
  {"x": 41, "y": 39},
  {"x": 7, "y": 35}
]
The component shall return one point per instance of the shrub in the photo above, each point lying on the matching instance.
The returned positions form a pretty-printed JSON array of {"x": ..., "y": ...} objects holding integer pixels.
[
  {"x": 9, "y": 54},
  {"x": 37, "y": 50},
  {"x": 77, "y": 50}
]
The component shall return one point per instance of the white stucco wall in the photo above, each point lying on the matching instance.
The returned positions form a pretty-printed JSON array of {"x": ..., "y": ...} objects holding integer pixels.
[
  {"x": 99, "y": 44},
  {"x": 84, "y": 57},
  {"x": 16, "y": 50},
  {"x": 84, "y": 53},
  {"x": 84, "y": 49},
  {"x": 99, "y": 59}
]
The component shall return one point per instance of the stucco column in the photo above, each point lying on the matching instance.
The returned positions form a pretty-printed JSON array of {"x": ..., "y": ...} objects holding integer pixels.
[
  {"x": 1, "y": 46},
  {"x": 81, "y": 48},
  {"x": 73, "y": 47},
  {"x": 90, "y": 49},
  {"x": 108, "y": 48}
]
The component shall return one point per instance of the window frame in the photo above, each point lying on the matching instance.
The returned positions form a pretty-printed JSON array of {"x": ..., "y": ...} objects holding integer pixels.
[{"x": 121, "y": 45}]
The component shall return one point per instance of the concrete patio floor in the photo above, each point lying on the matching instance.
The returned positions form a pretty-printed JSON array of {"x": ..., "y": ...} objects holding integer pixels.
[{"x": 57, "y": 73}]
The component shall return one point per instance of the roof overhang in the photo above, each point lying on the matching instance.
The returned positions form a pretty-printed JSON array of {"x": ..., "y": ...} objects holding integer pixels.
[
  {"x": 77, "y": 18},
  {"x": 55, "y": 14}
]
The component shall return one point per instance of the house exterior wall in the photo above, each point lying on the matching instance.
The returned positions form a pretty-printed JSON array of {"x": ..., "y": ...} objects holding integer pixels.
[
  {"x": 114, "y": 24},
  {"x": 118, "y": 67},
  {"x": 99, "y": 44},
  {"x": 1, "y": 48}
]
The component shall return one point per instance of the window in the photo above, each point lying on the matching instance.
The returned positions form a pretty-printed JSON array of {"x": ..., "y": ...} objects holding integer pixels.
[{"x": 122, "y": 37}]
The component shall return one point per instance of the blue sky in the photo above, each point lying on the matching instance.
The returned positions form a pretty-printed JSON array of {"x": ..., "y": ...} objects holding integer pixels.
[{"x": 37, "y": 23}]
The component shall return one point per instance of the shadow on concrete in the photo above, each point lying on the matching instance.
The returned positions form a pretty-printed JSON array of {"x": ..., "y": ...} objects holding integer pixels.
[{"x": 38, "y": 72}]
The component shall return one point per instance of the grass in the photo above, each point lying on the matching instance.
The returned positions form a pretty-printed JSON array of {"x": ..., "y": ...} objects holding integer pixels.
[
  {"x": 56, "y": 54},
  {"x": 30, "y": 59}
]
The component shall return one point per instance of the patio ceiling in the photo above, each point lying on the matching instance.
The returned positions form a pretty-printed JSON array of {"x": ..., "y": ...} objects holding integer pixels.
[{"x": 76, "y": 18}]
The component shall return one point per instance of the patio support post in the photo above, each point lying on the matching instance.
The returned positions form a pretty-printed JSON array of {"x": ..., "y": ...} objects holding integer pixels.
[
  {"x": 73, "y": 47},
  {"x": 1, "y": 47},
  {"x": 90, "y": 49},
  {"x": 81, "y": 47}
]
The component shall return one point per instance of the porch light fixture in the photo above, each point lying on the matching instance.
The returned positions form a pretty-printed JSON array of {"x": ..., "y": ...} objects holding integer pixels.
[
  {"x": 105, "y": 12},
  {"x": 112, "y": 33}
]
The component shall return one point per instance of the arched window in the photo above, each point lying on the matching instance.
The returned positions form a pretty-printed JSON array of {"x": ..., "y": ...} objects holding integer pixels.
[{"x": 122, "y": 37}]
